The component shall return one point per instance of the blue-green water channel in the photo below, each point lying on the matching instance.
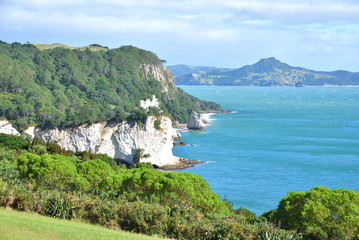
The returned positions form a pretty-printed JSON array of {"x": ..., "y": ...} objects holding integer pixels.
[{"x": 283, "y": 139}]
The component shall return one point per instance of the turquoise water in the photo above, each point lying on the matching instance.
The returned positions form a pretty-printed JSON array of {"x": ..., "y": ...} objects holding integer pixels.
[{"x": 283, "y": 139}]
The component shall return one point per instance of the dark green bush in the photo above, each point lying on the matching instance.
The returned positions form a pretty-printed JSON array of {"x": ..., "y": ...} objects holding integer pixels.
[
  {"x": 157, "y": 124},
  {"x": 12, "y": 142},
  {"x": 138, "y": 116}
]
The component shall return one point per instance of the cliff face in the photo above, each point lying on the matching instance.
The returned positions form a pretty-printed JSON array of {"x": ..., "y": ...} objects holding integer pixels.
[
  {"x": 118, "y": 140},
  {"x": 163, "y": 75},
  {"x": 195, "y": 122},
  {"x": 6, "y": 127}
]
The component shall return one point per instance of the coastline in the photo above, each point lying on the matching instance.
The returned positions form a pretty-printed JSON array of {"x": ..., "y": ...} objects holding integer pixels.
[{"x": 182, "y": 163}]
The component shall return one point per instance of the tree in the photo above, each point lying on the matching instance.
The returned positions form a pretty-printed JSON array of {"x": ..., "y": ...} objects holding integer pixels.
[{"x": 321, "y": 213}]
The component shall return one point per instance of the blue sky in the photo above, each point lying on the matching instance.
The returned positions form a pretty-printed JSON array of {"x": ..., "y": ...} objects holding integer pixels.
[{"x": 316, "y": 34}]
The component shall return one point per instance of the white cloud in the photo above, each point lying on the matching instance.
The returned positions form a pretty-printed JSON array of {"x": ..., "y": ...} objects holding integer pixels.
[{"x": 216, "y": 31}]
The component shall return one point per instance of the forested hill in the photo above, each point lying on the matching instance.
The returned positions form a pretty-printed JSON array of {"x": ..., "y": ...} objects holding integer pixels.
[
  {"x": 270, "y": 72},
  {"x": 66, "y": 87}
]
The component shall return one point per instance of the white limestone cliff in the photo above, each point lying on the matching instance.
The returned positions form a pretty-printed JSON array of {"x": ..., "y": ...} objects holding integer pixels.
[
  {"x": 117, "y": 140},
  {"x": 146, "y": 104},
  {"x": 6, "y": 127},
  {"x": 195, "y": 122}
]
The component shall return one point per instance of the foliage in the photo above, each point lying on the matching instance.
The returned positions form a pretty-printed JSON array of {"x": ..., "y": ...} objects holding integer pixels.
[
  {"x": 157, "y": 124},
  {"x": 8, "y": 173},
  {"x": 321, "y": 213},
  {"x": 66, "y": 87},
  {"x": 94, "y": 171},
  {"x": 169, "y": 188},
  {"x": 138, "y": 216},
  {"x": 51, "y": 170},
  {"x": 138, "y": 115},
  {"x": 12, "y": 141},
  {"x": 61, "y": 208}
]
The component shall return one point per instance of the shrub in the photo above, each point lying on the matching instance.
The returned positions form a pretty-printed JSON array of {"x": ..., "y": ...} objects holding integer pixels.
[
  {"x": 8, "y": 172},
  {"x": 12, "y": 142},
  {"x": 168, "y": 188},
  {"x": 95, "y": 170},
  {"x": 61, "y": 208},
  {"x": 320, "y": 213},
  {"x": 157, "y": 124},
  {"x": 50, "y": 170},
  {"x": 139, "y": 116}
]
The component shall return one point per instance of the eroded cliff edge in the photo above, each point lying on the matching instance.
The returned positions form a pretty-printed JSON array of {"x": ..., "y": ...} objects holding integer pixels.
[{"x": 118, "y": 140}]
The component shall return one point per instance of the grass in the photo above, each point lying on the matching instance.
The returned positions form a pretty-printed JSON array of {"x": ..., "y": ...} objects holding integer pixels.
[
  {"x": 42, "y": 47},
  {"x": 22, "y": 225}
]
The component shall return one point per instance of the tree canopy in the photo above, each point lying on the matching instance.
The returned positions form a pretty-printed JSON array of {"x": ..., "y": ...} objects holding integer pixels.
[{"x": 62, "y": 87}]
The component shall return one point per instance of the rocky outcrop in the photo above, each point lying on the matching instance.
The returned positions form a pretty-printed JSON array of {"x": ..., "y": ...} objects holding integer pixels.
[
  {"x": 118, "y": 140},
  {"x": 163, "y": 75},
  {"x": 146, "y": 104},
  {"x": 195, "y": 122},
  {"x": 6, "y": 127}
]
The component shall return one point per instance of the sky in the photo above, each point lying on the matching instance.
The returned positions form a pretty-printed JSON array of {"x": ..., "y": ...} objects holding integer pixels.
[{"x": 315, "y": 34}]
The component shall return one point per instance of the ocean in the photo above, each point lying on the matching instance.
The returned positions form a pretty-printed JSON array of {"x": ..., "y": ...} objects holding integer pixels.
[{"x": 278, "y": 139}]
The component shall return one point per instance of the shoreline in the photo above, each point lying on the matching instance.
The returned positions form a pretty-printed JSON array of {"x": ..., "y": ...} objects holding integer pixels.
[{"x": 182, "y": 163}]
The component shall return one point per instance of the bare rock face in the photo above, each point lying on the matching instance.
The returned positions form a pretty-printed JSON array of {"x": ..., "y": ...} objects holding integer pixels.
[
  {"x": 146, "y": 104},
  {"x": 163, "y": 75},
  {"x": 119, "y": 140},
  {"x": 6, "y": 127},
  {"x": 195, "y": 122}
]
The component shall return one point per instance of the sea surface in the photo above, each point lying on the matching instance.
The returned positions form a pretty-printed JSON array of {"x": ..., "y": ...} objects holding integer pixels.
[{"x": 281, "y": 139}]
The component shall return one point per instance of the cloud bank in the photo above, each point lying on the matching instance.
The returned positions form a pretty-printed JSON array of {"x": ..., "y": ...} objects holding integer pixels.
[{"x": 321, "y": 35}]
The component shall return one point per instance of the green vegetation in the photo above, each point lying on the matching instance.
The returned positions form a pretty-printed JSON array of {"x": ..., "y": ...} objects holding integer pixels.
[
  {"x": 60, "y": 86},
  {"x": 140, "y": 199},
  {"x": 266, "y": 72},
  {"x": 157, "y": 124},
  {"x": 320, "y": 213},
  {"x": 93, "y": 188},
  {"x": 28, "y": 226}
]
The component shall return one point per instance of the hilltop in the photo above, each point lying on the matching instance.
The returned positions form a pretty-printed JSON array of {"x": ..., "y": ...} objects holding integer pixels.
[
  {"x": 269, "y": 72},
  {"x": 93, "y": 47}
]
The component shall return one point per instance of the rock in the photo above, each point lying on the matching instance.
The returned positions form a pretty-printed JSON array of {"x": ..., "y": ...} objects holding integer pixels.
[
  {"x": 182, "y": 164},
  {"x": 118, "y": 140},
  {"x": 7, "y": 128},
  {"x": 179, "y": 143},
  {"x": 146, "y": 104},
  {"x": 195, "y": 122}
]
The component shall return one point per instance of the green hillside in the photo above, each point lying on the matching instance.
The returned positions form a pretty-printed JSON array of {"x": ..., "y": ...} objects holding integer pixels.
[
  {"x": 65, "y": 87},
  {"x": 270, "y": 72}
]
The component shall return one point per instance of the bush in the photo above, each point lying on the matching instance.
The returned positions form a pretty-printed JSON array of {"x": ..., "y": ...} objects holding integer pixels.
[
  {"x": 12, "y": 142},
  {"x": 95, "y": 170},
  {"x": 320, "y": 213},
  {"x": 8, "y": 172},
  {"x": 168, "y": 188},
  {"x": 139, "y": 116},
  {"x": 61, "y": 208},
  {"x": 157, "y": 124},
  {"x": 49, "y": 170}
]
